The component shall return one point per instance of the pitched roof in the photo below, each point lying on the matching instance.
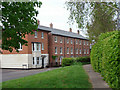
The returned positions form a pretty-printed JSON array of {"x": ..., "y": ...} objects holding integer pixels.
[{"x": 61, "y": 32}]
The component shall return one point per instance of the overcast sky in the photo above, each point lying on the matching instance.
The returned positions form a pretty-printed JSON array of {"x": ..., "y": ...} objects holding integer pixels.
[{"x": 54, "y": 11}]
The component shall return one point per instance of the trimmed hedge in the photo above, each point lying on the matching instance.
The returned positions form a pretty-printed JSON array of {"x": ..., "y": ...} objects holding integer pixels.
[
  {"x": 67, "y": 61},
  {"x": 83, "y": 59},
  {"x": 71, "y": 61},
  {"x": 105, "y": 57}
]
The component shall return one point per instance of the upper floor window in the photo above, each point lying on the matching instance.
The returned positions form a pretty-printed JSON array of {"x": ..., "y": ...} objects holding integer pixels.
[
  {"x": 42, "y": 46},
  {"x": 67, "y": 50},
  {"x": 76, "y": 42},
  {"x": 71, "y": 50},
  {"x": 87, "y": 43},
  {"x": 80, "y": 50},
  {"x": 87, "y": 51},
  {"x": 84, "y": 42},
  {"x": 67, "y": 40},
  {"x": 60, "y": 50},
  {"x": 35, "y": 34},
  {"x": 36, "y": 47},
  {"x": 20, "y": 46},
  {"x": 42, "y": 35},
  {"x": 84, "y": 51},
  {"x": 71, "y": 41},
  {"x": 80, "y": 42},
  {"x": 55, "y": 39},
  {"x": 61, "y": 40},
  {"x": 76, "y": 50},
  {"x": 55, "y": 50}
]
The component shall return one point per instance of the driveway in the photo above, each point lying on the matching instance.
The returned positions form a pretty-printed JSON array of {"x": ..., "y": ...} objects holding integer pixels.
[{"x": 9, "y": 74}]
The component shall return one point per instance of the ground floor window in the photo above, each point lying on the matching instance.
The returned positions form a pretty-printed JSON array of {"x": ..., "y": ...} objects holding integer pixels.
[{"x": 36, "y": 60}]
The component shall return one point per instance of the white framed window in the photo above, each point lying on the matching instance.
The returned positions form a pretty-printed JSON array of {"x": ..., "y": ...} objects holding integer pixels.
[
  {"x": 67, "y": 40},
  {"x": 76, "y": 50},
  {"x": 60, "y": 50},
  {"x": 55, "y": 38},
  {"x": 35, "y": 46},
  {"x": 67, "y": 50},
  {"x": 84, "y": 42},
  {"x": 42, "y": 35},
  {"x": 71, "y": 41},
  {"x": 71, "y": 50},
  {"x": 38, "y": 60},
  {"x": 20, "y": 46},
  {"x": 80, "y": 51},
  {"x": 84, "y": 51},
  {"x": 87, "y": 43},
  {"x": 42, "y": 46},
  {"x": 76, "y": 42},
  {"x": 55, "y": 50},
  {"x": 87, "y": 51},
  {"x": 61, "y": 40},
  {"x": 80, "y": 42},
  {"x": 35, "y": 34}
]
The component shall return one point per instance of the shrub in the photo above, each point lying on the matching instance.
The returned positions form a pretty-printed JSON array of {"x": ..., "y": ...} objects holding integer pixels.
[
  {"x": 67, "y": 61},
  {"x": 83, "y": 59},
  {"x": 105, "y": 57}
]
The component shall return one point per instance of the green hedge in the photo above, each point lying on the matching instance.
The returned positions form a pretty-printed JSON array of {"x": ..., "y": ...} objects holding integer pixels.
[
  {"x": 83, "y": 59},
  {"x": 71, "y": 61},
  {"x": 67, "y": 61},
  {"x": 105, "y": 57}
]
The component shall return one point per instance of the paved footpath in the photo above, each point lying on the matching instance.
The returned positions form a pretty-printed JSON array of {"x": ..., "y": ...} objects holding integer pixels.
[
  {"x": 8, "y": 74},
  {"x": 95, "y": 78}
]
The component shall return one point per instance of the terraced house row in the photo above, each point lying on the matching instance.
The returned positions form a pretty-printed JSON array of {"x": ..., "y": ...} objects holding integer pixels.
[{"x": 47, "y": 47}]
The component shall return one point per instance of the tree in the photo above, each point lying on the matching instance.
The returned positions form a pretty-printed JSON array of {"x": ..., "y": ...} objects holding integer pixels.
[
  {"x": 18, "y": 19},
  {"x": 96, "y": 17}
]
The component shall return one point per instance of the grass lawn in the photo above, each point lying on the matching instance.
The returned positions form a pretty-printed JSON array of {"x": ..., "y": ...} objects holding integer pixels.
[{"x": 66, "y": 77}]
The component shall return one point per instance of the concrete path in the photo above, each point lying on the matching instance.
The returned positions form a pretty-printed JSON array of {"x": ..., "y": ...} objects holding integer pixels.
[
  {"x": 95, "y": 78},
  {"x": 8, "y": 74}
]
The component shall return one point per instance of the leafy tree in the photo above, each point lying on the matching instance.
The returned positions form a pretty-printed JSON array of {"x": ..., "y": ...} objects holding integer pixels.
[
  {"x": 18, "y": 19},
  {"x": 96, "y": 17}
]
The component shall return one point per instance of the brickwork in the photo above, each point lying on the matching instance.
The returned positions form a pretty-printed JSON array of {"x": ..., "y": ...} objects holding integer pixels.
[{"x": 66, "y": 43}]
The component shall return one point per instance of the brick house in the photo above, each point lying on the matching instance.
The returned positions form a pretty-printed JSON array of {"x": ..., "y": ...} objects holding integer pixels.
[
  {"x": 66, "y": 44},
  {"x": 35, "y": 55},
  {"x": 45, "y": 44}
]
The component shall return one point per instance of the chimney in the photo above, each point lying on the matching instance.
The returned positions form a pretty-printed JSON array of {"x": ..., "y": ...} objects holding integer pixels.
[
  {"x": 38, "y": 22},
  {"x": 51, "y": 25},
  {"x": 70, "y": 30},
  {"x": 78, "y": 31}
]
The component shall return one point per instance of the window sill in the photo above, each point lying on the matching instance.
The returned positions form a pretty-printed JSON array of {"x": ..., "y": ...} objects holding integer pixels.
[{"x": 19, "y": 49}]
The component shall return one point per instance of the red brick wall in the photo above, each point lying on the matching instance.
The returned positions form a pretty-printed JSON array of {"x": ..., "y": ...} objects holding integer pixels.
[
  {"x": 30, "y": 38},
  {"x": 64, "y": 45},
  {"x": 23, "y": 51}
]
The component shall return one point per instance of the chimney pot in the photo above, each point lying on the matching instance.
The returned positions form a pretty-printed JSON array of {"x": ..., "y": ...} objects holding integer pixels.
[
  {"x": 38, "y": 22},
  {"x": 78, "y": 31},
  {"x": 51, "y": 25},
  {"x": 70, "y": 30}
]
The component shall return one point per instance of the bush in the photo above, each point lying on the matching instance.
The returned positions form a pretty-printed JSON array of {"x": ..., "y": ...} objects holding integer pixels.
[
  {"x": 67, "y": 61},
  {"x": 83, "y": 59},
  {"x": 105, "y": 57}
]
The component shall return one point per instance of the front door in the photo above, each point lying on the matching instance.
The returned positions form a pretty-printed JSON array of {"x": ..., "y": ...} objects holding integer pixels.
[{"x": 42, "y": 62}]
